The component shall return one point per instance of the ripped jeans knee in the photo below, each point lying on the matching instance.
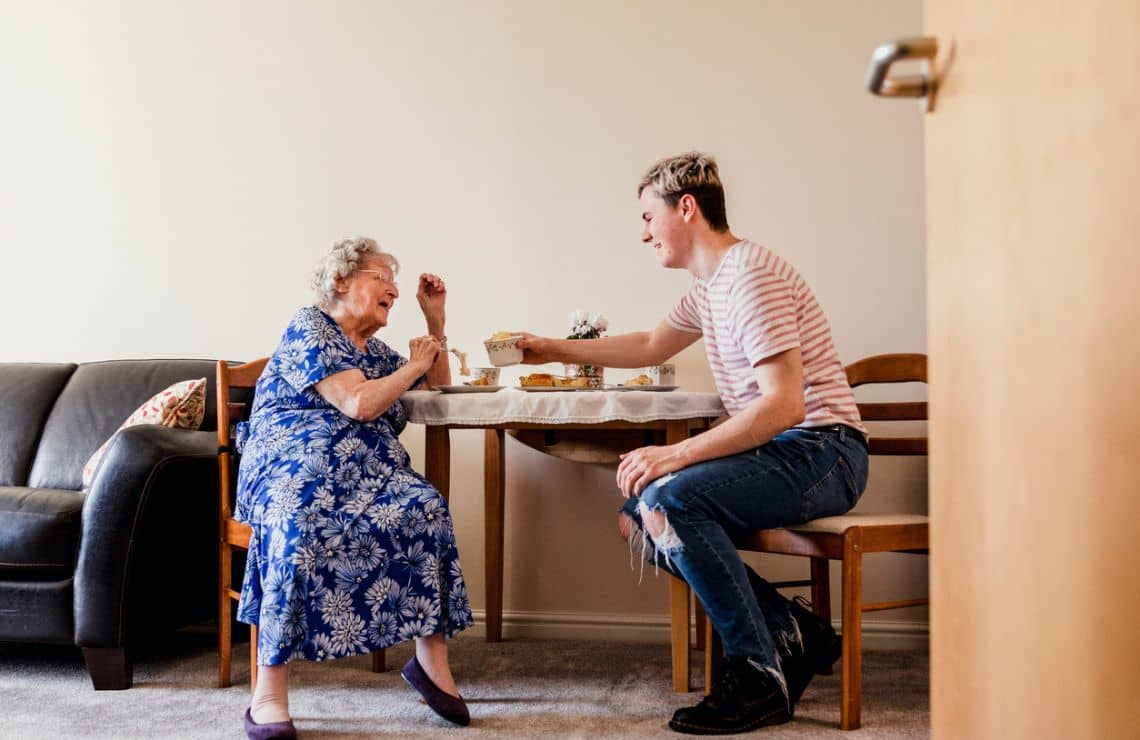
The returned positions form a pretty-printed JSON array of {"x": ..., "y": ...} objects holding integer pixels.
[
  {"x": 645, "y": 521},
  {"x": 656, "y": 524}
]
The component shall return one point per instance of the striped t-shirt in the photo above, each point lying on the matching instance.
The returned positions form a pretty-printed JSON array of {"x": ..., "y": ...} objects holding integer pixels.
[{"x": 755, "y": 306}]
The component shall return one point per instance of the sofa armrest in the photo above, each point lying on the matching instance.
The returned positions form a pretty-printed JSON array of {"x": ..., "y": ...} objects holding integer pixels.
[{"x": 142, "y": 463}]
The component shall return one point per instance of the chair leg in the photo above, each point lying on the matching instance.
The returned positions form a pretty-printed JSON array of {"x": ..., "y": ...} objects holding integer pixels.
[
  {"x": 700, "y": 618},
  {"x": 852, "y": 671},
  {"x": 679, "y": 633},
  {"x": 821, "y": 593},
  {"x": 713, "y": 651},
  {"x": 378, "y": 661},
  {"x": 252, "y": 658},
  {"x": 225, "y": 626},
  {"x": 709, "y": 642}
]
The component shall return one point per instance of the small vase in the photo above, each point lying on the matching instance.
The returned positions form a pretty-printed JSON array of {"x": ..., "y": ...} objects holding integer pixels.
[{"x": 594, "y": 374}]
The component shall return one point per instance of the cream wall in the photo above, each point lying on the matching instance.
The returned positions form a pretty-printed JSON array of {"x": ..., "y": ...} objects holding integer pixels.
[{"x": 171, "y": 171}]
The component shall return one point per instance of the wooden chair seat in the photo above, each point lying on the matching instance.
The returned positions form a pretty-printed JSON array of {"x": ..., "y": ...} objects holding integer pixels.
[{"x": 840, "y": 524}]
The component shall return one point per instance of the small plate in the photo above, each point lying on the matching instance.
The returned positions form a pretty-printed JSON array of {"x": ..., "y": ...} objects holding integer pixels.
[
  {"x": 659, "y": 388},
  {"x": 464, "y": 388}
]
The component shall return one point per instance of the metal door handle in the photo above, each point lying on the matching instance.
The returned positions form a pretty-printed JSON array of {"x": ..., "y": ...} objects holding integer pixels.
[{"x": 903, "y": 86}]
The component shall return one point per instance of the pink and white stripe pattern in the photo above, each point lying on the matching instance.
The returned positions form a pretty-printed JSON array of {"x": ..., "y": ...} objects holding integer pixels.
[{"x": 755, "y": 306}]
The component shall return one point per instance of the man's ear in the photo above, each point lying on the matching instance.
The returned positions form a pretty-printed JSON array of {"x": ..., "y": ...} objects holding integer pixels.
[{"x": 688, "y": 207}]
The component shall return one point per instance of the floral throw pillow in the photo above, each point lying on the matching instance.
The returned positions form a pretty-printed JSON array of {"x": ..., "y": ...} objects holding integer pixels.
[{"x": 180, "y": 406}]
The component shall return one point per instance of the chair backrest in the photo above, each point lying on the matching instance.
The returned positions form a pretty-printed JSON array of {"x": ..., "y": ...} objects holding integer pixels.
[
  {"x": 235, "y": 400},
  {"x": 900, "y": 368}
]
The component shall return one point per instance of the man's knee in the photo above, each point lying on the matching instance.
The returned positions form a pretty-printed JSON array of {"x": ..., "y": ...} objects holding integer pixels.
[
  {"x": 654, "y": 521},
  {"x": 657, "y": 525},
  {"x": 625, "y": 525}
]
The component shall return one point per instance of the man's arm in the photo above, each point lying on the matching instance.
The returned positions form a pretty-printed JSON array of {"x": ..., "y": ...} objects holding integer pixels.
[
  {"x": 635, "y": 349},
  {"x": 780, "y": 407}
]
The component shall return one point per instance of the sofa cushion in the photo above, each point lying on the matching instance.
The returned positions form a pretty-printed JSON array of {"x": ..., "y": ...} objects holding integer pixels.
[
  {"x": 181, "y": 406},
  {"x": 27, "y": 392},
  {"x": 39, "y": 532},
  {"x": 94, "y": 403}
]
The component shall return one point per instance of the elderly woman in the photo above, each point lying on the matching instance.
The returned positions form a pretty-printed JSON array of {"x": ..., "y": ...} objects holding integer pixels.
[{"x": 352, "y": 550}]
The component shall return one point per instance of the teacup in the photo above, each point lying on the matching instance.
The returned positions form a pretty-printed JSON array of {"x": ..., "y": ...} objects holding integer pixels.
[
  {"x": 662, "y": 374},
  {"x": 491, "y": 374},
  {"x": 502, "y": 352}
]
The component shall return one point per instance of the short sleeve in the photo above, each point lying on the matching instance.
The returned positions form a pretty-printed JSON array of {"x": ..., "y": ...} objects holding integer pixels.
[
  {"x": 312, "y": 349},
  {"x": 762, "y": 315},
  {"x": 685, "y": 316}
]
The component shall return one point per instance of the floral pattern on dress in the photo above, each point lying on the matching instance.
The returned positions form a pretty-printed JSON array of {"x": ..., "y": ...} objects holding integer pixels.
[{"x": 352, "y": 550}]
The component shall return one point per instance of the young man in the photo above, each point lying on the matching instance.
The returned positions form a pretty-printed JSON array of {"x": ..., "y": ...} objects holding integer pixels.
[{"x": 793, "y": 449}]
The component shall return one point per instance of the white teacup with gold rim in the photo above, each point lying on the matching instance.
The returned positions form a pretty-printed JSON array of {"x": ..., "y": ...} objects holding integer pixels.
[
  {"x": 662, "y": 374},
  {"x": 503, "y": 349},
  {"x": 484, "y": 376}
]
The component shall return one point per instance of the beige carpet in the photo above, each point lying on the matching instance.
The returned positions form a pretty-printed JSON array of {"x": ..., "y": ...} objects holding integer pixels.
[{"x": 514, "y": 689}]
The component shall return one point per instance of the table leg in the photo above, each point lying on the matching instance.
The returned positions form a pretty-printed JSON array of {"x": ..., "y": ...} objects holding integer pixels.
[
  {"x": 437, "y": 451},
  {"x": 676, "y": 431},
  {"x": 679, "y": 633},
  {"x": 493, "y": 490}
]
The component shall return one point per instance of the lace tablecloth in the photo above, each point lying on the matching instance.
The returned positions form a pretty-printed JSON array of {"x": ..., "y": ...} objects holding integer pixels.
[{"x": 511, "y": 405}]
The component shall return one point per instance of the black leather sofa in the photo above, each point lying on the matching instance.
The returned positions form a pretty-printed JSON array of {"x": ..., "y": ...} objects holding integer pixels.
[{"x": 133, "y": 557}]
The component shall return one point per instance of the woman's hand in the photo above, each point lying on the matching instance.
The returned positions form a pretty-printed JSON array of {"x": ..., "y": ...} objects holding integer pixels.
[
  {"x": 432, "y": 295},
  {"x": 422, "y": 352},
  {"x": 644, "y": 465},
  {"x": 536, "y": 350}
]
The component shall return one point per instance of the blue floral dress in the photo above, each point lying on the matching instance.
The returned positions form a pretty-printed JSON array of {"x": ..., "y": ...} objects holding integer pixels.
[{"x": 352, "y": 550}]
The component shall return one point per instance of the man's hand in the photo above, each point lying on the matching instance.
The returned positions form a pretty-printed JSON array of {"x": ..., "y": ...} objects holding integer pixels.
[
  {"x": 537, "y": 350},
  {"x": 644, "y": 465}
]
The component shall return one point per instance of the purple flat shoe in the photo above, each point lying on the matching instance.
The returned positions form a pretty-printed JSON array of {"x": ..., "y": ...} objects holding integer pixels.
[
  {"x": 269, "y": 730},
  {"x": 451, "y": 708}
]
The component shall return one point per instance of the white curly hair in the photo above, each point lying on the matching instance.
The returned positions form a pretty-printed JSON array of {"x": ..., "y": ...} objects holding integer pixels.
[{"x": 343, "y": 259}]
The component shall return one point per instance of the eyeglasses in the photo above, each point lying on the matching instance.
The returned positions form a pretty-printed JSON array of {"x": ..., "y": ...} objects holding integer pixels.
[{"x": 383, "y": 276}]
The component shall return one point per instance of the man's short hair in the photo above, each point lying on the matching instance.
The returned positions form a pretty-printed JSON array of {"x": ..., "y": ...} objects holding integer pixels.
[{"x": 692, "y": 173}]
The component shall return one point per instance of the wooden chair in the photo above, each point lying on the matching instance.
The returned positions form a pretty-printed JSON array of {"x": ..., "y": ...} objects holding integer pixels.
[
  {"x": 235, "y": 400},
  {"x": 846, "y": 538}
]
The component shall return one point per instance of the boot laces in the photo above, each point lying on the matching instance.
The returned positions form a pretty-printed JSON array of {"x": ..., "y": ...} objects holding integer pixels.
[{"x": 727, "y": 685}]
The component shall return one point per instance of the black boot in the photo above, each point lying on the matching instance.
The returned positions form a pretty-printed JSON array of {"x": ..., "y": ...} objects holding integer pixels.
[
  {"x": 746, "y": 697},
  {"x": 820, "y": 648}
]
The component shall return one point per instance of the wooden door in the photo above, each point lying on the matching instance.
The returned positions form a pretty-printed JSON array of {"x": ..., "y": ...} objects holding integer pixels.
[{"x": 1033, "y": 273}]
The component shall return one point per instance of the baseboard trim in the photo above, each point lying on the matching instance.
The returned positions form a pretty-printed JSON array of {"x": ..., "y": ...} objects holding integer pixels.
[{"x": 551, "y": 625}]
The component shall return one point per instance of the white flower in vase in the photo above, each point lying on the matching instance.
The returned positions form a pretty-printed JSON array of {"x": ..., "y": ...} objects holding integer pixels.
[{"x": 585, "y": 325}]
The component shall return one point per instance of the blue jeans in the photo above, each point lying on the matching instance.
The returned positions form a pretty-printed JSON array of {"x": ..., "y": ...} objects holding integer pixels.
[{"x": 797, "y": 476}]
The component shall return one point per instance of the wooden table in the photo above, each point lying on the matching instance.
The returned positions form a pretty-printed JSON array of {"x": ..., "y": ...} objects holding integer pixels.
[{"x": 605, "y": 438}]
